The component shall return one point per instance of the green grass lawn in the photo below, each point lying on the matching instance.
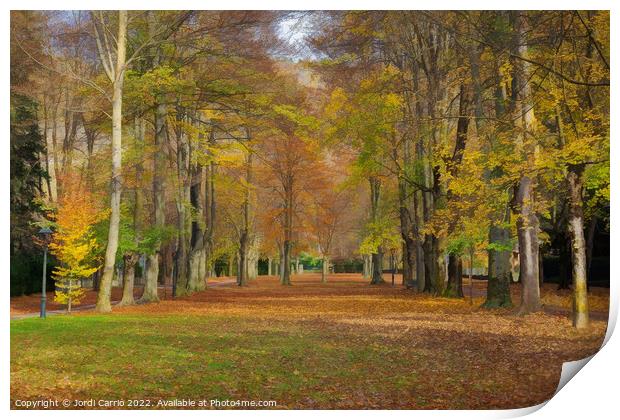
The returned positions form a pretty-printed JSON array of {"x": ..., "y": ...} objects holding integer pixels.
[{"x": 196, "y": 357}]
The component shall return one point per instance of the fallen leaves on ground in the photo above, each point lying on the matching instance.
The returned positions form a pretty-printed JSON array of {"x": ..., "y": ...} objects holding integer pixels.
[{"x": 345, "y": 344}]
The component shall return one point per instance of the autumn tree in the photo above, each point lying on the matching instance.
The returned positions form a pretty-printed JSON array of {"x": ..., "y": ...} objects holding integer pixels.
[
  {"x": 73, "y": 242},
  {"x": 115, "y": 70},
  {"x": 576, "y": 103}
]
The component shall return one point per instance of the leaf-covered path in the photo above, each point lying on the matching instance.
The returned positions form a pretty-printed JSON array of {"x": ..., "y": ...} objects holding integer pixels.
[{"x": 341, "y": 345}]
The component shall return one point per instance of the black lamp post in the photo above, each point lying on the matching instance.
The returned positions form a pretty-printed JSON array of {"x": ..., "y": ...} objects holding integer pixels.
[{"x": 45, "y": 233}]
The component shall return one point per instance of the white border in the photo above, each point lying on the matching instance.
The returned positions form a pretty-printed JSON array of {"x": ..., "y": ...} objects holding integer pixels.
[{"x": 593, "y": 394}]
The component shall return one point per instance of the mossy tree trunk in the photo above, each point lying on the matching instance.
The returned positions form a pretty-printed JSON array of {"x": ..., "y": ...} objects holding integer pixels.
[
  {"x": 129, "y": 275},
  {"x": 377, "y": 267},
  {"x": 578, "y": 244},
  {"x": 149, "y": 294},
  {"x": 499, "y": 275}
]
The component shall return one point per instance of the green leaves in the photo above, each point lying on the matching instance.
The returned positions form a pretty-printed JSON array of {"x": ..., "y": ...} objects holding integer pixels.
[
  {"x": 147, "y": 88},
  {"x": 380, "y": 233},
  {"x": 501, "y": 246},
  {"x": 366, "y": 119}
]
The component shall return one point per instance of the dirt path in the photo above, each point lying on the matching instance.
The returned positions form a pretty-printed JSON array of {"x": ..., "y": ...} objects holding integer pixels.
[
  {"x": 27, "y": 302},
  {"x": 556, "y": 302}
]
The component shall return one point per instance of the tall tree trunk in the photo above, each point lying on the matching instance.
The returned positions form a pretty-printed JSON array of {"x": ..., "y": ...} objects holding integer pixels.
[
  {"x": 181, "y": 255},
  {"x": 70, "y": 131},
  {"x": 430, "y": 274},
  {"x": 527, "y": 230},
  {"x": 129, "y": 268},
  {"x": 455, "y": 277},
  {"x": 138, "y": 213},
  {"x": 432, "y": 283},
  {"x": 186, "y": 180},
  {"x": 420, "y": 279},
  {"x": 500, "y": 250},
  {"x": 579, "y": 247},
  {"x": 281, "y": 261},
  {"x": 427, "y": 244},
  {"x": 209, "y": 213},
  {"x": 131, "y": 258},
  {"x": 56, "y": 170},
  {"x": 288, "y": 233},
  {"x": 243, "y": 259},
  {"x": 91, "y": 135},
  {"x": 324, "y": 269},
  {"x": 286, "y": 263},
  {"x": 196, "y": 272},
  {"x": 252, "y": 259},
  {"x": 498, "y": 280},
  {"x": 575, "y": 225},
  {"x": 527, "y": 221},
  {"x": 377, "y": 267},
  {"x": 366, "y": 270},
  {"x": 46, "y": 156},
  {"x": 406, "y": 206},
  {"x": 105, "y": 288},
  {"x": 408, "y": 264},
  {"x": 377, "y": 256},
  {"x": 541, "y": 268},
  {"x": 408, "y": 235},
  {"x": 455, "y": 265},
  {"x": 161, "y": 110},
  {"x": 244, "y": 238},
  {"x": 166, "y": 264},
  {"x": 151, "y": 271},
  {"x": 152, "y": 274}
]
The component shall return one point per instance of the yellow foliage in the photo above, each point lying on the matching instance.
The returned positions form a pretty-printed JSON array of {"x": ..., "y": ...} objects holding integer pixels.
[{"x": 73, "y": 242}]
